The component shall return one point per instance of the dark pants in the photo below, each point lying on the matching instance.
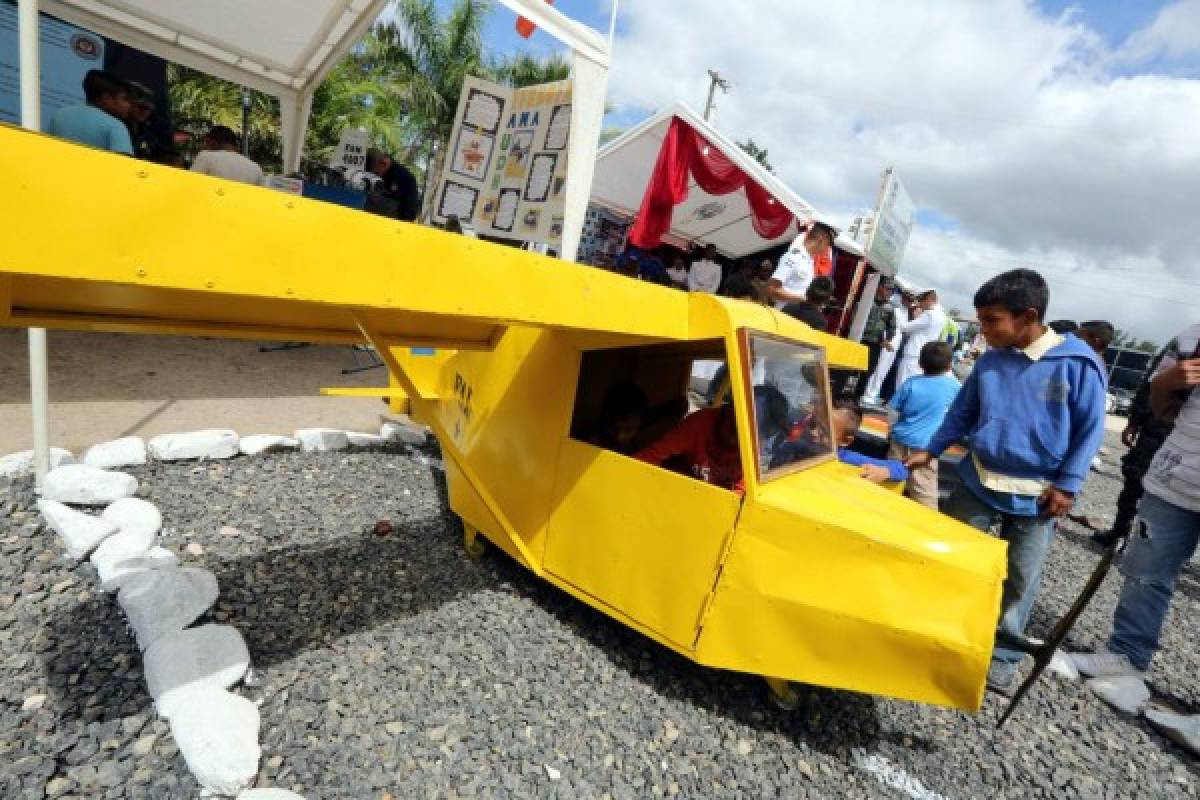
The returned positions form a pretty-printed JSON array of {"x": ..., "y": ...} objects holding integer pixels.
[{"x": 1133, "y": 468}]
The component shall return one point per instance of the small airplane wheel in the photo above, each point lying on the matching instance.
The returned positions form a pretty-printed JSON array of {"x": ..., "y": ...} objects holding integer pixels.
[
  {"x": 783, "y": 694},
  {"x": 473, "y": 543}
]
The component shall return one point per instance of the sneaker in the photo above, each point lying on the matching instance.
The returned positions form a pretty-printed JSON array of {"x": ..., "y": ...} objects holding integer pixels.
[
  {"x": 1179, "y": 728},
  {"x": 1103, "y": 664},
  {"x": 1002, "y": 678},
  {"x": 1127, "y": 693}
]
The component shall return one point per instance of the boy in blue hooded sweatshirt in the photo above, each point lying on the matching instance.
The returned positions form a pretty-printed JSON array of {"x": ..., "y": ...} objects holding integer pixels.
[{"x": 1032, "y": 412}]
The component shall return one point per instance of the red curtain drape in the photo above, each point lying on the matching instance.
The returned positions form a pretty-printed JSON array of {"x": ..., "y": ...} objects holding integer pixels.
[{"x": 685, "y": 152}]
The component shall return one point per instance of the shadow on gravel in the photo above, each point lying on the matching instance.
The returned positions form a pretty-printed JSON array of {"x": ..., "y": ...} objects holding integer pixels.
[
  {"x": 284, "y": 601},
  {"x": 827, "y": 720}
]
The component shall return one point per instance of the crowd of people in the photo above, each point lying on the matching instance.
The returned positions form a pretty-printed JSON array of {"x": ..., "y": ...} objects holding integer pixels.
[{"x": 115, "y": 116}]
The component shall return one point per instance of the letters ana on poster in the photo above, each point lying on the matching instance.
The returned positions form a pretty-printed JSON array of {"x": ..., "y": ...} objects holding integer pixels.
[{"x": 506, "y": 169}]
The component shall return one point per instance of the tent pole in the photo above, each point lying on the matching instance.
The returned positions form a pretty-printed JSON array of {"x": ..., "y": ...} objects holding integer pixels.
[{"x": 31, "y": 118}]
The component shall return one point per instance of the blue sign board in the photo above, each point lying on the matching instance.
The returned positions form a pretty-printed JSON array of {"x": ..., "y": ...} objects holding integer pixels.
[{"x": 67, "y": 53}]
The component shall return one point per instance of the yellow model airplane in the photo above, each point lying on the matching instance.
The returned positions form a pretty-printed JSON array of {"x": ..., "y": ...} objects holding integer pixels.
[{"x": 805, "y": 572}]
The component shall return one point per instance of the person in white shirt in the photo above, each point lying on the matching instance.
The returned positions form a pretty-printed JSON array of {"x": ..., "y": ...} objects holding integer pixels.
[
  {"x": 925, "y": 327},
  {"x": 220, "y": 158},
  {"x": 810, "y": 254},
  {"x": 705, "y": 275},
  {"x": 887, "y": 356}
]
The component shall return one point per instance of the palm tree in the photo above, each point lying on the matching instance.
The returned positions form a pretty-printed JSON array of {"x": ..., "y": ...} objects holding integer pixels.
[
  {"x": 424, "y": 60},
  {"x": 199, "y": 101},
  {"x": 524, "y": 69}
]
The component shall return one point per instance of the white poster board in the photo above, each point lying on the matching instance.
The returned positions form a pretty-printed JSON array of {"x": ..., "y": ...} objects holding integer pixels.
[
  {"x": 351, "y": 152},
  {"x": 895, "y": 216},
  {"x": 506, "y": 167}
]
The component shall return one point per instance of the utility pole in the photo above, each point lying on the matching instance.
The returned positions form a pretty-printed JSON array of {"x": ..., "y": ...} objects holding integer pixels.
[{"x": 715, "y": 80}]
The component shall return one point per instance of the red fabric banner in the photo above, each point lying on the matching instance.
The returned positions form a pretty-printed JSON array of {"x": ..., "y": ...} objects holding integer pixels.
[
  {"x": 525, "y": 26},
  {"x": 685, "y": 152}
]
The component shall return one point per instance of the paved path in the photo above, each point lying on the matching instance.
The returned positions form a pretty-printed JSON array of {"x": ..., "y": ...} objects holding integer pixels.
[{"x": 103, "y": 386}]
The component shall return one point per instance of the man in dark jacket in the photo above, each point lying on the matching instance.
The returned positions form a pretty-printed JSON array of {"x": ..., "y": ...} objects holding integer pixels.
[
  {"x": 1143, "y": 435},
  {"x": 880, "y": 328},
  {"x": 398, "y": 184}
]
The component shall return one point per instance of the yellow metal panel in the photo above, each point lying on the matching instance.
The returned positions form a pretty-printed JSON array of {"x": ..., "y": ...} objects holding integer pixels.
[
  {"x": 95, "y": 217},
  {"x": 507, "y": 412},
  {"x": 646, "y": 540},
  {"x": 834, "y": 581}
]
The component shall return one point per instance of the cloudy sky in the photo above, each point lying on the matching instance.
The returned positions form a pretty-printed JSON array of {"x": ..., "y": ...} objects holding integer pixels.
[{"x": 1056, "y": 135}]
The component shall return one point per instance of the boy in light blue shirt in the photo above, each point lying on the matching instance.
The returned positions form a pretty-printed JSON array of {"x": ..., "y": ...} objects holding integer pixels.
[
  {"x": 100, "y": 122},
  {"x": 920, "y": 406}
]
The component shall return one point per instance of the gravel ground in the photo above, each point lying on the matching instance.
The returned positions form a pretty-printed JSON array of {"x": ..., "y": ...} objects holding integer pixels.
[{"x": 397, "y": 665}]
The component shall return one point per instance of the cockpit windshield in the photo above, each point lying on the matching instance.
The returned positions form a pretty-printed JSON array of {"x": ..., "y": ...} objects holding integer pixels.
[{"x": 790, "y": 408}]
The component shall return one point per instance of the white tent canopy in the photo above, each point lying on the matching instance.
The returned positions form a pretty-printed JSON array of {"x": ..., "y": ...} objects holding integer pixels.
[{"x": 624, "y": 167}]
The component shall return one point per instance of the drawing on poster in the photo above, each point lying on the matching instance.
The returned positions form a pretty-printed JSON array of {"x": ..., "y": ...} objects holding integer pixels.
[
  {"x": 556, "y": 228},
  {"x": 560, "y": 128},
  {"x": 472, "y": 154},
  {"x": 518, "y": 155},
  {"x": 504, "y": 140},
  {"x": 458, "y": 200},
  {"x": 506, "y": 209},
  {"x": 529, "y": 220},
  {"x": 483, "y": 111},
  {"x": 560, "y": 181},
  {"x": 541, "y": 175},
  {"x": 487, "y": 212}
]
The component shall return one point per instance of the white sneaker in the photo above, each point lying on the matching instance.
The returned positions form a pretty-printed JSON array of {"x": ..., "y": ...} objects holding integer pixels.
[
  {"x": 1181, "y": 729},
  {"x": 1126, "y": 693},
  {"x": 1103, "y": 664}
]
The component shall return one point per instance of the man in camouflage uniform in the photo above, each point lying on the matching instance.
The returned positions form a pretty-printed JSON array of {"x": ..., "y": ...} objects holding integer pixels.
[
  {"x": 1143, "y": 435},
  {"x": 880, "y": 328}
]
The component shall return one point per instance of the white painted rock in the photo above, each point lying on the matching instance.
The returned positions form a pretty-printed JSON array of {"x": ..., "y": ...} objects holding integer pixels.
[
  {"x": 81, "y": 533},
  {"x": 161, "y": 601},
  {"x": 215, "y": 443},
  {"x": 408, "y": 434},
  {"x": 87, "y": 486},
  {"x": 365, "y": 439},
  {"x": 127, "y": 452},
  {"x": 130, "y": 512},
  {"x": 266, "y": 443},
  {"x": 1126, "y": 693},
  {"x": 217, "y": 733},
  {"x": 268, "y": 794},
  {"x": 114, "y": 576},
  {"x": 322, "y": 440},
  {"x": 210, "y": 655},
  {"x": 122, "y": 546},
  {"x": 21, "y": 463},
  {"x": 1179, "y": 728}
]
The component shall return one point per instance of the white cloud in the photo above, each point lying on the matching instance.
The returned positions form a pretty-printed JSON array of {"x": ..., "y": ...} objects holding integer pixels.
[
  {"x": 1174, "y": 35},
  {"x": 1000, "y": 118}
]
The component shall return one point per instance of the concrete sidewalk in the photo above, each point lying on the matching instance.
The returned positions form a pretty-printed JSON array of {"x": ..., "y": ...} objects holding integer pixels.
[{"x": 103, "y": 386}]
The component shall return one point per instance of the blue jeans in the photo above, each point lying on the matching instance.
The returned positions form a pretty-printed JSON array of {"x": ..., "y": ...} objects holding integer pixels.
[
  {"x": 1164, "y": 539},
  {"x": 1028, "y": 542}
]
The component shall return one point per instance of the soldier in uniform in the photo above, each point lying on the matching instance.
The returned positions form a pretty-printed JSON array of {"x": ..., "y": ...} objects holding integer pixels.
[
  {"x": 1143, "y": 435},
  {"x": 880, "y": 328}
]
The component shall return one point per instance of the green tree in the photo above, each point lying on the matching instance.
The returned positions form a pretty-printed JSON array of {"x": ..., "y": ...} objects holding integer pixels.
[
  {"x": 759, "y": 154},
  {"x": 524, "y": 69},
  {"x": 199, "y": 101},
  {"x": 424, "y": 59}
]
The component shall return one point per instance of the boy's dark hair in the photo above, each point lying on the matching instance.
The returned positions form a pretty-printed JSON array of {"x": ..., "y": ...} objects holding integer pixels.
[
  {"x": 1102, "y": 330},
  {"x": 1015, "y": 291},
  {"x": 819, "y": 291},
  {"x": 98, "y": 83},
  {"x": 851, "y": 406},
  {"x": 935, "y": 358},
  {"x": 222, "y": 135},
  {"x": 1063, "y": 326},
  {"x": 624, "y": 399},
  {"x": 738, "y": 285}
]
